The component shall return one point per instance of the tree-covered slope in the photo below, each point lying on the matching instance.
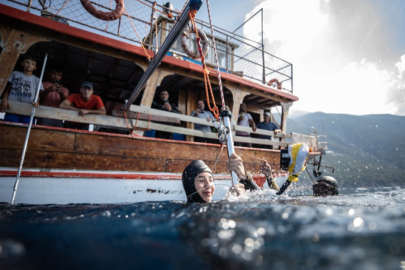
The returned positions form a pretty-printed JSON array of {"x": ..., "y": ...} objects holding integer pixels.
[{"x": 368, "y": 150}]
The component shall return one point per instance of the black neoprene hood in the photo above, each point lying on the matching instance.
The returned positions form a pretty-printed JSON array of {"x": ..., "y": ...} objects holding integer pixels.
[{"x": 189, "y": 173}]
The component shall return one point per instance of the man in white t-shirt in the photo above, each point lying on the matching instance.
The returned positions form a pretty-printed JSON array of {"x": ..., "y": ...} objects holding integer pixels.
[
  {"x": 245, "y": 120},
  {"x": 203, "y": 114}
]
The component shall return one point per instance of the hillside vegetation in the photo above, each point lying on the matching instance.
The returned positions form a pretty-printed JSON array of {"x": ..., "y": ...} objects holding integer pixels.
[{"x": 368, "y": 150}]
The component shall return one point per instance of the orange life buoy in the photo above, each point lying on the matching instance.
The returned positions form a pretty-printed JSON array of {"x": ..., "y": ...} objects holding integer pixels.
[
  {"x": 185, "y": 36},
  {"x": 105, "y": 16},
  {"x": 275, "y": 81}
]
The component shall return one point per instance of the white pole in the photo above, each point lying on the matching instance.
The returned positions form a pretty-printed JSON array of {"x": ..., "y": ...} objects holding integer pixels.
[{"x": 28, "y": 132}]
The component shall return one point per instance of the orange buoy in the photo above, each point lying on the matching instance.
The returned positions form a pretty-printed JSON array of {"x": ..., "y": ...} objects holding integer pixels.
[
  {"x": 271, "y": 82},
  {"x": 105, "y": 16}
]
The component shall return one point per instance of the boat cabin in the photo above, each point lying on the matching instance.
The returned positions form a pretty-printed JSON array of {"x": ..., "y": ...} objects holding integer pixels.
[{"x": 115, "y": 66}]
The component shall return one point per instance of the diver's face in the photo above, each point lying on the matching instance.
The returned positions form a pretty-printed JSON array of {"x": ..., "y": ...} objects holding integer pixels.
[{"x": 204, "y": 184}]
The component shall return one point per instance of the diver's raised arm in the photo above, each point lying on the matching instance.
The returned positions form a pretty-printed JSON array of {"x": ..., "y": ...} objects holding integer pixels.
[{"x": 235, "y": 163}]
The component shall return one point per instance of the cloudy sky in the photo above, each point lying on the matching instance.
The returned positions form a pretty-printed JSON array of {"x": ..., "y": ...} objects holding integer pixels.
[{"x": 348, "y": 55}]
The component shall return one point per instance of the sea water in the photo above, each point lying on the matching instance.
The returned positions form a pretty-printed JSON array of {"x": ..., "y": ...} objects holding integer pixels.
[{"x": 362, "y": 229}]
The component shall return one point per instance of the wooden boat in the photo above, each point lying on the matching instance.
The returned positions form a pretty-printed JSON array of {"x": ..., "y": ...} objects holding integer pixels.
[{"x": 118, "y": 161}]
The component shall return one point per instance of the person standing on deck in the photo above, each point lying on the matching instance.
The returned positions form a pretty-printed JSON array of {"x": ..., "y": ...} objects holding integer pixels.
[
  {"x": 245, "y": 120},
  {"x": 21, "y": 87},
  {"x": 53, "y": 95},
  {"x": 267, "y": 125},
  {"x": 201, "y": 113},
  {"x": 164, "y": 105},
  {"x": 84, "y": 103}
]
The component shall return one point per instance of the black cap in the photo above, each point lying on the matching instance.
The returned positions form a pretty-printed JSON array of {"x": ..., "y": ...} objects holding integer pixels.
[
  {"x": 190, "y": 172},
  {"x": 328, "y": 183}
]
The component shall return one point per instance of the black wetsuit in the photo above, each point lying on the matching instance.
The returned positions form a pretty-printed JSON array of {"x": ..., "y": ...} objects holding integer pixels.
[{"x": 196, "y": 167}]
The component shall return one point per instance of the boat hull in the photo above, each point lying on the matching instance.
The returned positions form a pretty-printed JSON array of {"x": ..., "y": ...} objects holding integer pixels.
[
  {"x": 65, "y": 166},
  {"x": 61, "y": 187}
]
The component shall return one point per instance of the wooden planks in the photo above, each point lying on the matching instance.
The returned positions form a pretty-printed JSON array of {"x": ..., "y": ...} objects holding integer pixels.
[
  {"x": 45, "y": 160},
  {"x": 53, "y": 148},
  {"x": 13, "y": 137}
]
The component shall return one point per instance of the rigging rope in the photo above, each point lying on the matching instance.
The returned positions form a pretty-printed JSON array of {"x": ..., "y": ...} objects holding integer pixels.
[
  {"x": 108, "y": 21},
  {"x": 167, "y": 14},
  {"x": 185, "y": 4},
  {"x": 207, "y": 82},
  {"x": 219, "y": 155},
  {"x": 156, "y": 29},
  {"x": 129, "y": 129},
  {"x": 60, "y": 9},
  {"x": 216, "y": 56},
  {"x": 133, "y": 26}
]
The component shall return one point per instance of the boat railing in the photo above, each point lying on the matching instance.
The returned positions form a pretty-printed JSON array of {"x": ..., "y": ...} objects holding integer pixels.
[
  {"x": 139, "y": 124},
  {"x": 241, "y": 55},
  {"x": 195, "y": 120},
  {"x": 311, "y": 140}
]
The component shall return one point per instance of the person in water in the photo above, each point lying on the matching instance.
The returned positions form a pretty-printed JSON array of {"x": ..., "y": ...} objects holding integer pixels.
[
  {"x": 299, "y": 154},
  {"x": 198, "y": 181}
]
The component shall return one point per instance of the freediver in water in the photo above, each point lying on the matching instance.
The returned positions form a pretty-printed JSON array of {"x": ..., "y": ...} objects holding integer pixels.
[
  {"x": 298, "y": 156},
  {"x": 198, "y": 181},
  {"x": 199, "y": 185},
  {"x": 325, "y": 186}
]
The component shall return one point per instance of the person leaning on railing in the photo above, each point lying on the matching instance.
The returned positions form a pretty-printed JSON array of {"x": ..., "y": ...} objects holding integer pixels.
[
  {"x": 245, "y": 120},
  {"x": 53, "y": 95},
  {"x": 84, "y": 103},
  {"x": 21, "y": 87},
  {"x": 164, "y": 104},
  {"x": 267, "y": 125},
  {"x": 203, "y": 114}
]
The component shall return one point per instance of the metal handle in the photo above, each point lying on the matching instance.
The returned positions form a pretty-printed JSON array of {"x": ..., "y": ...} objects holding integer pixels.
[{"x": 226, "y": 116}]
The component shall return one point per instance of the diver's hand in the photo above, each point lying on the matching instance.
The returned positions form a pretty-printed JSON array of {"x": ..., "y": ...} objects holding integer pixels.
[
  {"x": 238, "y": 189},
  {"x": 265, "y": 168},
  {"x": 235, "y": 164}
]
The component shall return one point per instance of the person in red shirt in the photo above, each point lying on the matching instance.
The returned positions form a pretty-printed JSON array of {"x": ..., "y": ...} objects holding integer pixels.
[{"x": 84, "y": 103}]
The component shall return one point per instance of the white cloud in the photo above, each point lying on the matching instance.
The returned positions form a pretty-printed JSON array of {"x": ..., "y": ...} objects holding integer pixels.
[
  {"x": 330, "y": 52},
  {"x": 396, "y": 96}
]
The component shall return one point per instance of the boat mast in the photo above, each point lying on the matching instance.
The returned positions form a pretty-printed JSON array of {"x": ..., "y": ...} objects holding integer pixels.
[{"x": 167, "y": 44}]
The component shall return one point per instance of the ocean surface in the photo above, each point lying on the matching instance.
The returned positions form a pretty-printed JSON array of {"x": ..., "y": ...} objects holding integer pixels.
[{"x": 362, "y": 229}]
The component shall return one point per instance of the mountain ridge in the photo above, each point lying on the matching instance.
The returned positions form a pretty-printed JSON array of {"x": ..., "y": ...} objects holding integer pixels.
[{"x": 368, "y": 149}]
